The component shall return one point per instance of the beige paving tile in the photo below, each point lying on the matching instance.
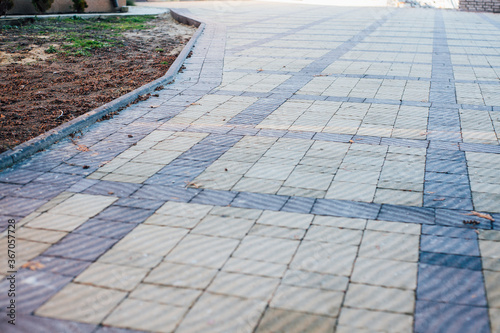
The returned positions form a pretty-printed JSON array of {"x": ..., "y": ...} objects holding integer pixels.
[
  {"x": 492, "y": 284},
  {"x": 194, "y": 211},
  {"x": 112, "y": 276},
  {"x": 40, "y": 235},
  {"x": 202, "y": 250},
  {"x": 156, "y": 157},
  {"x": 130, "y": 258},
  {"x": 492, "y": 235},
  {"x": 85, "y": 205},
  {"x": 351, "y": 191},
  {"x": 172, "y": 221},
  {"x": 405, "y": 228},
  {"x": 376, "y": 320},
  {"x": 495, "y": 320},
  {"x": 340, "y": 222},
  {"x": 220, "y": 313},
  {"x": 177, "y": 275},
  {"x": 25, "y": 250},
  {"x": 55, "y": 201},
  {"x": 247, "y": 184},
  {"x": 151, "y": 239},
  {"x": 276, "y": 232},
  {"x": 394, "y": 246},
  {"x": 57, "y": 222},
  {"x": 380, "y": 298},
  {"x": 489, "y": 249},
  {"x": 93, "y": 304},
  {"x": 223, "y": 226},
  {"x": 350, "y": 329},
  {"x": 182, "y": 297},
  {"x": 301, "y": 192},
  {"x": 321, "y": 233},
  {"x": 307, "y": 279},
  {"x": 387, "y": 273},
  {"x": 252, "y": 267},
  {"x": 326, "y": 258},
  {"x": 245, "y": 286},
  {"x": 407, "y": 198},
  {"x": 139, "y": 169},
  {"x": 273, "y": 250},
  {"x": 285, "y": 321},
  {"x": 145, "y": 316},
  {"x": 245, "y": 213},
  {"x": 491, "y": 264},
  {"x": 316, "y": 301},
  {"x": 285, "y": 219}
]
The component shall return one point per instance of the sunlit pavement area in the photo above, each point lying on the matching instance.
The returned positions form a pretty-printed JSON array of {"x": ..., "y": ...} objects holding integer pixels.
[{"x": 312, "y": 169}]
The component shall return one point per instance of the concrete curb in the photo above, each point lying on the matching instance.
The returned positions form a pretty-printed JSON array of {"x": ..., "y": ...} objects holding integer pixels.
[{"x": 28, "y": 148}]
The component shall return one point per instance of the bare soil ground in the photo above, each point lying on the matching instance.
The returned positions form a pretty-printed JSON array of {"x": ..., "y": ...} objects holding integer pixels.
[{"x": 54, "y": 70}]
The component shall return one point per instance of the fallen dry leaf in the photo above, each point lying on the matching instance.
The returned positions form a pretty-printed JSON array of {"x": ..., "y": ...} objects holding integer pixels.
[
  {"x": 439, "y": 199},
  {"x": 483, "y": 215},
  {"x": 195, "y": 104},
  {"x": 193, "y": 184},
  {"x": 82, "y": 148},
  {"x": 33, "y": 265},
  {"x": 351, "y": 141}
]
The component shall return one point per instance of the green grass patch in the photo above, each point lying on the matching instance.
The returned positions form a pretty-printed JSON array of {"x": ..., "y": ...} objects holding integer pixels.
[
  {"x": 82, "y": 45},
  {"x": 121, "y": 23}
]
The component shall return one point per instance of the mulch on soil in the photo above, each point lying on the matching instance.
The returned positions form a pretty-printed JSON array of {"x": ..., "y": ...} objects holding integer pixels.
[{"x": 52, "y": 71}]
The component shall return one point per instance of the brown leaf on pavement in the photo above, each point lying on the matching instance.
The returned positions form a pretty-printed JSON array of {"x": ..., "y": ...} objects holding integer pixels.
[
  {"x": 83, "y": 148},
  {"x": 33, "y": 265},
  {"x": 483, "y": 215},
  {"x": 193, "y": 184}
]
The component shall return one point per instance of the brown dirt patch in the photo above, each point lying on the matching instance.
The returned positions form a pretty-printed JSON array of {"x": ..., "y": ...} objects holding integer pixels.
[{"x": 49, "y": 76}]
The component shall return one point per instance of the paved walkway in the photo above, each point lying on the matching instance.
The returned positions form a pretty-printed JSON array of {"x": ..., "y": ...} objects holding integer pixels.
[{"x": 313, "y": 169}]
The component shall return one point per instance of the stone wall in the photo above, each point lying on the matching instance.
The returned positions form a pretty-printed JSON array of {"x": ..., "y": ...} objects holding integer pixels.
[
  {"x": 24, "y": 7},
  {"x": 480, "y": 5}
]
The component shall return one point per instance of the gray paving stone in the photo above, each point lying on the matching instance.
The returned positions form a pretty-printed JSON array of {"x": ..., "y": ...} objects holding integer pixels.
[
  {"x": 125, "y": 214},
  {"x": 437, "y": 230},
  {"x": 451, "y": 260},
  {"x": 259, "y": 201},
  {"x": 19, "y": 206},
  {"x": 116, "y": 189},
  {"x": 214, "y": 197},
  {"x": 33, "y": 289},
  {"x": 62, "y": 266},
  {"x": 80, "y": 247},
  {"x": 166, "y": 193},
  {"x": 406, "y": 214},
  {"x": 346, "y": 208},
  {"x": 19, "y": 176},
  {"x": 457, "y": 318},
  {"x": 442, "y": 244},
  {"x": 450, "y": 285},
  {"x": 31, "y": 323}
]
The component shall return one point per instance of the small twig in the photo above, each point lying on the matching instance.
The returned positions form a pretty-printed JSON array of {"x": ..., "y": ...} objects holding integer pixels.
[{"x": 62, "y": 112}]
